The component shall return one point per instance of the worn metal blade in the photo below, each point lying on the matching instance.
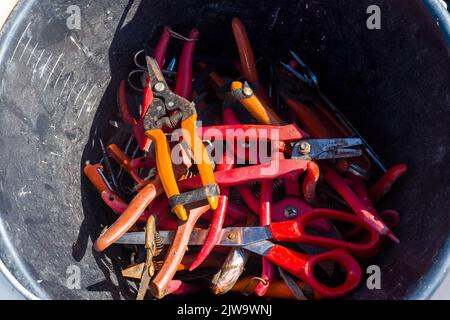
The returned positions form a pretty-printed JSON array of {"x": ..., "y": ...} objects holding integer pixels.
[
  {"x": 261, "y": 247},
  {"x": 315, "y": 149},
  {"x": 230, "y": 237},
  {"x": 153, "y": 69},
  {"x": 147, "y": 275}
]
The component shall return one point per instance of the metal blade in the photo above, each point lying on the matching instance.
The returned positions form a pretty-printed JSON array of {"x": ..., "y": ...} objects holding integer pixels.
[
  {"x": 343, "y": 153},
  {"x": 314, "y": 149},
  {"x": 300, "y": 76},
  {"x": 261, "y": 247},
  {"x": 153, "y": 69},
  {"x": 230, "y": 237}
]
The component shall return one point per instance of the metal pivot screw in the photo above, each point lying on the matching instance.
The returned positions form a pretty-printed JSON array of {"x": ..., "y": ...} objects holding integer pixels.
[
  {"x": 232, "y": 236},
  {"x": 305, "y": 147},
  {"x": 290, "y": 212},
  {"x": 159, "y": 87},
  {"x": 246, "y": 90}
]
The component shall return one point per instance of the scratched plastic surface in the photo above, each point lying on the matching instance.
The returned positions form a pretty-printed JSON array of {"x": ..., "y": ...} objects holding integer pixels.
[{"x": 57, "y": 93}]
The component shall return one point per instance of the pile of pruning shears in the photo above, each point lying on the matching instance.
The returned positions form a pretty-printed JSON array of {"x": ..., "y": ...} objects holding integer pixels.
[{"x": 273, "y": 199}]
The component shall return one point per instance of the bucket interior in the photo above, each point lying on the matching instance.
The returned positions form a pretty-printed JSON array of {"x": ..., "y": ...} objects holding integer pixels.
[{"x": 58, "y": 92}]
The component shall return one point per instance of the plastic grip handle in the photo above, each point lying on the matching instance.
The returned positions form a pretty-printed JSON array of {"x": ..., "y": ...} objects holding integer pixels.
[
  {"x": 308, "y": 119},
  {"x": 245, "y": 50},
  {"x": 164, "y": 165},
  {"x": 183, "y": 86},
  {"x": 360, "y": 209},
  {"x": 160, "y": 284},
  {"x": 91, "y": 172},
  {"x": 294, "y": 231},
  {"x": 382, "y": 186},
  {"x": 243, "y": 175},
  {"x": 265, "y": 213},
  {"x": 302, "y": 266},
  {"x": 200, "y": 155},
  {"x": 161, "y": 47},
  {"x": 128, "y": 218},
  {"x": 310, "y": 182}
]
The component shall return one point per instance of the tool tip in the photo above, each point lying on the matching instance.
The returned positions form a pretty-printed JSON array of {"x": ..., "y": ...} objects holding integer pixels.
[
  {"x": 392, "y": 236},
  {"x": 193, "y": 266},
  {"x": 213, "y": 202},
  {"x": 181, "y": 212}
]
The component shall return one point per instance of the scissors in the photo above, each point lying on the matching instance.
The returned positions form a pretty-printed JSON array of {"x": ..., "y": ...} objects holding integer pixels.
[{"x": 257, "y": 240}]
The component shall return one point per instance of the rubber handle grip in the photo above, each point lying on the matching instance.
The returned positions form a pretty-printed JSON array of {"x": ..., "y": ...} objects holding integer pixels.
[
  {"x": 160, "y": 285},
  {"x": 310, "y": 183},
  {"x": 243, "y": 175},
  {"x": 294, "y": 231},
  {"x": 161, "y": 47},
  {"x": 247, "y": 58},
  {"x": 164, "y": 166},
  {"x": 265, "y": 214},
  {"x": 354, "y": 202},
  {"x": 309, "y": 121},
  {"x": 128, "y": 218},
  {"x": 91, "y": 172},
  {"x": 200, "y": 155},
  {"x": 302, "y": 266},
  {"x": 382, "y": 186},
  {"x": 183, "y": 85}
]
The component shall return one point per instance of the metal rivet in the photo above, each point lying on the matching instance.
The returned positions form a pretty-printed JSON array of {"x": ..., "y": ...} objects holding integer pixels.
[
  {"x": 247, "y": 91},
  {"x": 290, "y": 212},
  {"x": 159, "y": 87},
  {"x": 305, "y": 147},
  {"x": 232, "y": 236}
]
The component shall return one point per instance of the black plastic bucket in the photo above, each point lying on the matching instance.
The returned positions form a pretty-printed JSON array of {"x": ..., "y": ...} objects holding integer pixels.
[{"x": 57, "y": 93}]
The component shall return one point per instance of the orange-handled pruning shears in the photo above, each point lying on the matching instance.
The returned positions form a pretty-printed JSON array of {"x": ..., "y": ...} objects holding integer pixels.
[{"x": 166, "y": 111}]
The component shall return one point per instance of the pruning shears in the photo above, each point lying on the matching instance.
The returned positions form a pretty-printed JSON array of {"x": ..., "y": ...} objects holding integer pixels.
[{"x": 165, "y": 113}]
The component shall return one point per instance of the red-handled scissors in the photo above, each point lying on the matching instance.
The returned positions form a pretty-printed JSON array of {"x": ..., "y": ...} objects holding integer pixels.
[{"x": 256, "y": 240}]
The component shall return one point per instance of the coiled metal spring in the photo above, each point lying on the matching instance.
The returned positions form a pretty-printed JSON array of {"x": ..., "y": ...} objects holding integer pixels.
[{"x": 158, "y": 258}]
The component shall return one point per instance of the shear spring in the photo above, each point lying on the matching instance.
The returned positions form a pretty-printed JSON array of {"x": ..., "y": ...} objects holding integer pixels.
[{"x": 160, "y": 249}]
